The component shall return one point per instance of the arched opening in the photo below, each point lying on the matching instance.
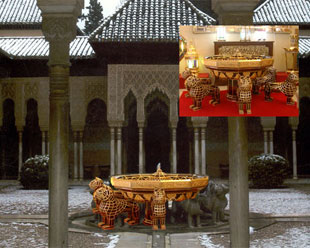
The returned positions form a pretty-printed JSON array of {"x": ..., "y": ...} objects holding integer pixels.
[
  {"x": 9, "y": 143},
  {"x": 32, "y": 138},
  {"x": 96, "y": 141},
  {"x": 217, "y": 147},
  {"x": 183, "y": 146},
  {"x": 157, "y": 133},
  {"x": 303, "y": 138},
  {"x": 131, "y": 135}
]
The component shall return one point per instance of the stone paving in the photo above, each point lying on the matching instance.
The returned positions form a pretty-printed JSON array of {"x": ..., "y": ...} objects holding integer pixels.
[{"x": 292, "y": 227}]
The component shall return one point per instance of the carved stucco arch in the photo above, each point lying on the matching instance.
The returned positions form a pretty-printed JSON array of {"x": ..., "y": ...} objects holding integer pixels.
[{"x": 141, "y": 80}]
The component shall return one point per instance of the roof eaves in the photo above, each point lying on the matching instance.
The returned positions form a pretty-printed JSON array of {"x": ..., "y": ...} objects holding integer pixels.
[
  {"x": 261, "y": 5},
  {"x": 198, "y": 11}
]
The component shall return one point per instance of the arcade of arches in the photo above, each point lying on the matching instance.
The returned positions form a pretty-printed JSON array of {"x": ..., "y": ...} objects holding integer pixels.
[{"x": 118, "y": 125}]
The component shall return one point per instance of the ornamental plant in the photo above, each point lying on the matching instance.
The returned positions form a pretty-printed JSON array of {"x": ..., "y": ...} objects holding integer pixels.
[
  {"x": 34, "y": 172},
  {"x": 268, "y": 170}
]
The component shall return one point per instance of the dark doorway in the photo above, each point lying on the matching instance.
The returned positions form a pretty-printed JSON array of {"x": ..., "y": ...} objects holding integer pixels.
[
  {"x": 9, "y": 143},
  {"x": 157, "y": 133},
  {"x": 303, "y": 138},
  {"x": 131, "y": 135},
  {"x": 32, "y": 138},
  {"x": 183, "y": 147},
  {"x": 96, "y": 140}
]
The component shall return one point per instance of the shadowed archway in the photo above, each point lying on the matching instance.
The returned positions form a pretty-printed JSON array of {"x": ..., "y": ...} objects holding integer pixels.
[
  {"x": 157, "y": 133},
  {"x": 9, "y": 142},
  {"x": 131, "y": 135},
  {"x": 32, "y": 138},
  {"x": 96, "y": 140}
]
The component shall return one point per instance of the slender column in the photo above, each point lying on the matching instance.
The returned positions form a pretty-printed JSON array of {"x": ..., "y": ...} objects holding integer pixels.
[
  {"x": 294, "y": 155},
  {"x": 58, "y": 169},
  {"x": 141, "y": 160},
  {"x": 265, "y": 142},
  {"x": 203, "y": 151},
  {"x": 196, "y": 140},
  {"x": 271, "y": 141},
  {"x": 174, "y": 150},
  {"x": 59, "y": 28},
  {"x": 43, "y": 143},
  {"x": 81, "y": 157},
  {"x": 119, "y": 150},
  {"x": 75, "y": 162},
  {"x": 20, "y": 152},
  {"x": 48, "y": 142},
  {"x": 112, "y": 151},
  {"x": 238, "y": 182}
]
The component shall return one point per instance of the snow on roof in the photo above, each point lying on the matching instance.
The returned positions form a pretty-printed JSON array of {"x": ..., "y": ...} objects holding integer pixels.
[
  {"x": 150, "y": 20},
  {"x": 283, "y": 12},
  {"x": 17, "y": 12},
  {"x": 38, "y": 48},
  {"x": 304, "y": 46}
]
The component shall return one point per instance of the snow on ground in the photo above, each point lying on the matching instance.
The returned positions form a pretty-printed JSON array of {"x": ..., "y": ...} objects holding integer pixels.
[
  {"x": 294, "y": 237},
  {"x": 25, "y": 235},
  {"x": 287, "y": 201},
  {"x": 279, "y": 235},
  {"x": 14, "y": 200}
]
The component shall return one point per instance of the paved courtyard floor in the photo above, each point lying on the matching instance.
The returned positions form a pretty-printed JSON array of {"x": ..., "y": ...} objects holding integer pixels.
[{"x": 23, "y": 221}]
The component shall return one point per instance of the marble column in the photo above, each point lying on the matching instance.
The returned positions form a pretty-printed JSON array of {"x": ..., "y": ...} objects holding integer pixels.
[
  {"x": 268, "y": 124},
  {"x": 238, "y": 182},
  {"x": 141, "y": 153},
  {"x": 265, "y": 141},
  {"x": 112, "y": 151},
  {"x": 81, "y": 167},
  {"x": 196, "y": 150},
  {"x": 20, "y": 152},
  {"x": 271, "y": 142},
  {"x": 203, "y": 151},
  {"x": 294, "y": 121},
  {"x": 75, "y": 162},
  {"x": 119, "y": 150},
  {"x": 294, "y": 154},
  {"x": 43, "y": 143},
  {"x": 48, "y": 143},
  {"x": 59, "y": 28},
  {"x": 174, "y": 150}
]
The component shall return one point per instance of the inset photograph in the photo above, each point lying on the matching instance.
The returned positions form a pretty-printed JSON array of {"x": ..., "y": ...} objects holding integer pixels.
[{"x": 238, "y": 71}]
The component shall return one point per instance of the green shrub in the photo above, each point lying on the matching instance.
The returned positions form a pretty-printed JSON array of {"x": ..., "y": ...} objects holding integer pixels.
[
  {"x": 268, "y": 170},
  {"x": 34, "y": 172}
]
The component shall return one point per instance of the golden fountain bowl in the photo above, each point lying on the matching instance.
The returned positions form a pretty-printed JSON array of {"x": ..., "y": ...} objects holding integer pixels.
[
  {"x": 178, "y": 187},
  {"x": 237, "y": 63}
]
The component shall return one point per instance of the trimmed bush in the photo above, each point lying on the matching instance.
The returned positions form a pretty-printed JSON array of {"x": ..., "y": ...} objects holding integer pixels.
[
  {"x": 34, "y": 172},
  {"x": 268, "y": 170}
]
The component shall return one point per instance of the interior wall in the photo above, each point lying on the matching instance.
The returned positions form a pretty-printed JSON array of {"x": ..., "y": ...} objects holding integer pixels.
[{"x": 204, "y": 44}]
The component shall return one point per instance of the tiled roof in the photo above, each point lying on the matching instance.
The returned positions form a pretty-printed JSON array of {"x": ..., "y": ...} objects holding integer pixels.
[
  {"x": 304, "y": 46},
  {"x": 17, "y": 12},
  {"x": 38, "y": 48},
  {"x": 283, "y": 12},
  {"x": 150, "y": 20}
]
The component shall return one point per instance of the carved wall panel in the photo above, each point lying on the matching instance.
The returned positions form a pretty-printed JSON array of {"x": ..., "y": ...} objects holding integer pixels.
[
  {"x": 141, "y": 80},
  {"x": 82, "y": 91}
]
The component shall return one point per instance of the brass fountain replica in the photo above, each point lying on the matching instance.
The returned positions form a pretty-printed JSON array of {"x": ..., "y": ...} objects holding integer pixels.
[{"x": 151, "y": 189}]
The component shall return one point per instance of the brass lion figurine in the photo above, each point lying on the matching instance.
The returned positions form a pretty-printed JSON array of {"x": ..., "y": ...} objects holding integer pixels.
[{"x": 109, "y": 204}]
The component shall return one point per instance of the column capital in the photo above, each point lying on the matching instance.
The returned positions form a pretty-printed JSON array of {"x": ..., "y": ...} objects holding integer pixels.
[
  {"x": 59, "y": 27},
  {"x": 141, "y": 124},
  {"x": 116, "y": 123},
  {"x": 199, "y": 121},
  {"x": 293, "y": 121},
  {"x": 268, "y": 123}
]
